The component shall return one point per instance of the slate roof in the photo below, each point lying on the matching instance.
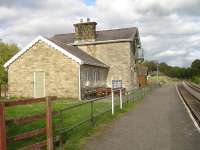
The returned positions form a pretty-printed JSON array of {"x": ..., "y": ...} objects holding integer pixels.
[
  {"x": 103, "y": 35},
  {"x": 64, "y": 41},
  {"x": 86, "y": 58}
]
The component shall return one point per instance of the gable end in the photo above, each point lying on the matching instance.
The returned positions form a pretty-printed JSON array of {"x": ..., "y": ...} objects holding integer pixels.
[{"x": 50, "y": 43}]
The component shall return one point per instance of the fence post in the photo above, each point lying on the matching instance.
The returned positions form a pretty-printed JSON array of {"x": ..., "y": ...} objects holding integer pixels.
[
  {"x": 0, "y": 90},
  {"x": 121, "y": 99},
  {"x": 92, "y": 112},
  {"x": 4, "y": 90},
  {"x": 127, "y": 97},
  {"x": 49, "y": 129},
  {"x": 2, "y": 127},
  {"x": 113, "y": 103}
]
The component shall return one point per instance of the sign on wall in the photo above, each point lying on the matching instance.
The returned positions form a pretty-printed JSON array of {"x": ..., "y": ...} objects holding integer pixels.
[{"x": 116, "y": 84}]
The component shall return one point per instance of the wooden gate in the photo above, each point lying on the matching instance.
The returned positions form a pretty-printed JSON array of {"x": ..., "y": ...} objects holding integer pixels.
[{"x": 5, "y": 140}]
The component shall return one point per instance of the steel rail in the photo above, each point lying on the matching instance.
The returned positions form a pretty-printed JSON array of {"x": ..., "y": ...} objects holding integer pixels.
[
  {"x": 193, "y": 86},
  {"x": 191, "y": 101}
]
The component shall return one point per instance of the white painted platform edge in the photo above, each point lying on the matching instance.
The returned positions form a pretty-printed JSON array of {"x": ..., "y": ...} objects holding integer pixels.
[{"x": 188, "y": 110}]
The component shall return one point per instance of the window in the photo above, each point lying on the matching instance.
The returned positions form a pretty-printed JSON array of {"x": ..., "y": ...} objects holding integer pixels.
[
  {"x": 96, "y": 76},
  {"x": 87, "y": 75}
]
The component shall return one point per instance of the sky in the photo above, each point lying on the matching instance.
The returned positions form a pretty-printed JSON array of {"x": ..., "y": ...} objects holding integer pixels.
[{"x": 169, "y": 29}]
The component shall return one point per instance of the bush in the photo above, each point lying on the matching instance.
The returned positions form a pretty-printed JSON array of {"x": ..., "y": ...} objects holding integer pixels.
[
  {"x": 196, "y": 79},
  {"x": 6, "y": 52}
]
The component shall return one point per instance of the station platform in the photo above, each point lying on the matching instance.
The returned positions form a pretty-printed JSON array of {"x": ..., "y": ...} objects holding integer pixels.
[{"x": 159, "y": 122}]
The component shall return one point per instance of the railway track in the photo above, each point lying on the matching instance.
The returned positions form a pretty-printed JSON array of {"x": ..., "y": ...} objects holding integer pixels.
[
  {"x": 193, "y": 86},
  {"x": 188, "y": 93}
]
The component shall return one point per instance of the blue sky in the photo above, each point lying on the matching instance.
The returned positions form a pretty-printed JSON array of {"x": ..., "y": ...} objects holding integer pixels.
[
  {"x": 168, "y": 34},
  {"x": 89, "y": 2}
]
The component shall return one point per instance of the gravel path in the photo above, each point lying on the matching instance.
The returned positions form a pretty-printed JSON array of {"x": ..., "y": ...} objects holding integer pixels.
[{"x": 159, "y": 122}]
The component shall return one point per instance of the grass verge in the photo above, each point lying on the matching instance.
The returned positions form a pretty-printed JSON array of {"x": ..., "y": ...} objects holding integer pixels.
[
  {"x": 73, "y": 139},
  {"x": 162, "y": 79},
  {"x": 77, "y": 138}
]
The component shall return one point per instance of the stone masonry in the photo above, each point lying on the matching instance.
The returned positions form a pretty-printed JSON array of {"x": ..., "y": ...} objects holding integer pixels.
[
  {"x": 119, "y": 57},
  {"x": 85, "y": 31},
  {"x": 61, "y": 73}
]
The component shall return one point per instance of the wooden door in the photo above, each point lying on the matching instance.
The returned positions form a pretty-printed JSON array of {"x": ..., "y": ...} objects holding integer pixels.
[{"x": 39, "y": 84}]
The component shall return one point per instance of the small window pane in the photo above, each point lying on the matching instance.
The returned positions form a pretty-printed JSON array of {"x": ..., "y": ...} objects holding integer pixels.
[
  {"x": 96, "y": 76},
  {"x": 87, "y": 76}
]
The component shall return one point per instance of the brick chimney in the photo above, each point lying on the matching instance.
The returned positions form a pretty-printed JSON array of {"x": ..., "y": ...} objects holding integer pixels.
[{"x": 85, "y": 31}]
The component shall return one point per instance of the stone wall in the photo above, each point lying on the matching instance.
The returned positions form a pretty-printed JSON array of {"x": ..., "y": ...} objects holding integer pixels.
[
  {"x": 118, "y": 56},
  {"x": 61, "y": 73},
  {"x": 85, "y": 31}
]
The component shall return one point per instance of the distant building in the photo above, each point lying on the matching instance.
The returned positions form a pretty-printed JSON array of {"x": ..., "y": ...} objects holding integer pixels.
[
  {"x": 142, "y": 75},
  {"x": 67, "y": 63}
]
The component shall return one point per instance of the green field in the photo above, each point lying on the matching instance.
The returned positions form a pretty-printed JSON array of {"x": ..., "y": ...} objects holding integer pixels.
[
  {"x": 65, "y": 120},
  {"x": 162, "y": 79}
]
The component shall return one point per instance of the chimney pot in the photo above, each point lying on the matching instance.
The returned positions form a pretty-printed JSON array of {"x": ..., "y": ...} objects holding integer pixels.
[
  {"x": 85, "y": 31},
  {"x": 88, "y": 19}
]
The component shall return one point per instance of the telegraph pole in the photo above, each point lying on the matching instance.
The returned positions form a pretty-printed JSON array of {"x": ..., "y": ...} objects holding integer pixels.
[{"x": 157, "y": 74}]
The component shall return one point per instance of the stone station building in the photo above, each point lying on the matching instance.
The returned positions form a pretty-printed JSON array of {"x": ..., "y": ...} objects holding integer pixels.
[{"x": 65, "y": 64}]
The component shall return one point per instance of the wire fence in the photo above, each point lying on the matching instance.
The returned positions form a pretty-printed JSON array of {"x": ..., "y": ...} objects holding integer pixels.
[{"x": 72, "y": 117}]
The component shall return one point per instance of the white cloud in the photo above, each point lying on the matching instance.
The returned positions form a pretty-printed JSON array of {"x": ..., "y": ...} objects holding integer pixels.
[
  {"x": 6, "y": 13},
  {"x": 170, "y": 53},
  {"x": 169, "y": 32}
]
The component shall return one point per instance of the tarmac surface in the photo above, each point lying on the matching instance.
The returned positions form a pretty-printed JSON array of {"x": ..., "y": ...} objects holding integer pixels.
[{"x": 159, "y": 122}]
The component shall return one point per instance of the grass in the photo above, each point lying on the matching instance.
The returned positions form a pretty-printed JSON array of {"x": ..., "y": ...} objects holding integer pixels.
[
  {"x": 78, "y": 138},
  {"x": 196, "y": 79},
  {"x": 66, "y": 119},
  {"x": 75, "y": 138},
  {"x": 162, "y": 79},
  {"x": 20, "y": 111},
  {"x": 28, "y": 110}
]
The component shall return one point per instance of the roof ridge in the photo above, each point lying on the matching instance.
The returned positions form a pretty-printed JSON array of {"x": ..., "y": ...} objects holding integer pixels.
[
  {"x": 118, "y": 29},
  {"x": 100, "y": 30},
  {"x": 64, "y": 33}
]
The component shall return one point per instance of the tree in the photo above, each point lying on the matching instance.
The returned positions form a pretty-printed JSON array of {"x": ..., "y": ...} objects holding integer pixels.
[
  {"x": 6, "y": 52},
  {"x": 174, "y": 71},
  {"x": 152, "y": 65},
  {"x": 195, "y": 67}
]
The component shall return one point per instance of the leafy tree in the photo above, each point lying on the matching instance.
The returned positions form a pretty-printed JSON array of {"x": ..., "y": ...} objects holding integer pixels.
[
  {"x": 6, "y": 52},
  {"x": 177, "y": 72},
  {"x": 152, "y": 66},
  {"x": 196, "y": 67}
]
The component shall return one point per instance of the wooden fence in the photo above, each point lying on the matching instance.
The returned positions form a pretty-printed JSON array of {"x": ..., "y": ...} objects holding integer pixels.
[
  {"x": 3, "y": 90},
  {"x": 48, "y": 130}
]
